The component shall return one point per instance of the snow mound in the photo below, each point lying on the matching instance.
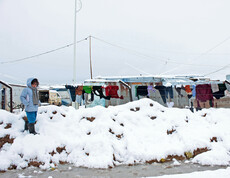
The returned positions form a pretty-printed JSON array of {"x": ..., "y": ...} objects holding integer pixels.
[{"x": 137, "y": 132}]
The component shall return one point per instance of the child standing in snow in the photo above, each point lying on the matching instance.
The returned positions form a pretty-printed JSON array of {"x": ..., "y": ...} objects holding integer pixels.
[{"x": 29, "y": 98}]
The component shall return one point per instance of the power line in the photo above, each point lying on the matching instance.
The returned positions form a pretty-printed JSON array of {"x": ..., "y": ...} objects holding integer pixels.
[
  {"x": 214, "y": 47},
  {"x": 165, "y": 59},
  {"x": 222, "y": 68},
  {"x": 205, "y": 53},
  {"x": 41, "y": 54}
]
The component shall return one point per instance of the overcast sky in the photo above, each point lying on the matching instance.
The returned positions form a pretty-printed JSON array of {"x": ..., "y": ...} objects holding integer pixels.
[{"x": 157, "y": 36}]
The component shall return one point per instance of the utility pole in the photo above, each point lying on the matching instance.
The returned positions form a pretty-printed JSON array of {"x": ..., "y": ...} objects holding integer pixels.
[
  {"x": 75, "y": 44},
  {"x": 90, "y": 58}
]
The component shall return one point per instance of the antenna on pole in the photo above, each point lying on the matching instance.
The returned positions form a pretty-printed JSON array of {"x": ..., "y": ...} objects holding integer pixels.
[
  {"x": 90, "y": 58},
  {"x": 74, "y": 45}
]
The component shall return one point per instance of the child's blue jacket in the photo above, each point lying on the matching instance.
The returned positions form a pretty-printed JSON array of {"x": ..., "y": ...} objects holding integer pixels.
[{"x": 27, "y": 98}]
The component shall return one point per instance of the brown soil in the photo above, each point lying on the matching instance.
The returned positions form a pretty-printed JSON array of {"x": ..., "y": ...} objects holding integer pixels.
[
  {"x": 52, "y": 153},
  {"x": 199, "y": 151},
  {"x": 8, "y": 126},
  {"x": 63, "y": 162},
  {"x": 151, "y": 161},
  {"x": 213, "y": 139},
  {"x": 151, "y": 104},
  {"x": 204, "y": 115},
  {"x": 54, "y": 112},
  {"x": 35, "y": 163},
  {"x": 179, "y": 158},
  {"x": 119, "y": 136},
  {"x": 60, "y": 149},
  {"x": 12, "y": 167},
  {"x": 153, "y": 117},
  {"x": 110, "y": 130},
  {"x": 169, "y": 132},
  {"x": 6, "y": 139},
  {"x": 91, "y": 119}
]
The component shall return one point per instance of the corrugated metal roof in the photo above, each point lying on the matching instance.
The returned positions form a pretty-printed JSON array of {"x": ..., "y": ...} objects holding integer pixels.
[{"x": 166, "y": 80}]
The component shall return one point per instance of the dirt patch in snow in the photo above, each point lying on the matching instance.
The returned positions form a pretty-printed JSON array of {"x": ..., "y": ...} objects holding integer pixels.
[
  {"x": 8, "y": 126},
  {"x": 35, "y": 164},
  {"x": 169, "y": 132},
  {"x": 91, "y": 119},
  {"x": 213, "y": 139},
  {"x": 187, "y": 155},
  {"x": 60, "y": 149},
  {"x": 199, "y": 151},
  {"x": 153, "y": 117},
  {"x": 6, "y": 139}
]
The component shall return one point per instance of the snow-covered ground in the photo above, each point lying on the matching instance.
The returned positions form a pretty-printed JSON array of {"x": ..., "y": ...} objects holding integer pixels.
[{"x": 138, "y": 132}]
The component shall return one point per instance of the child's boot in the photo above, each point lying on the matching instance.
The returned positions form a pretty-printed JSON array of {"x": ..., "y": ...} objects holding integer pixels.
[{"x": 31, "y": 128}]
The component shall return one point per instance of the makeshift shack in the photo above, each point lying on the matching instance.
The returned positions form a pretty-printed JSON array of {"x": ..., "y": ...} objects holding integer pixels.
[
  {"x": 172, "y": 91},
  {"x": 6, "y": 96}
]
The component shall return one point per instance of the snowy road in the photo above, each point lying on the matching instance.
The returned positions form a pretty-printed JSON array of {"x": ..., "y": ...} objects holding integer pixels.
[{"x": 156, "y": 169}]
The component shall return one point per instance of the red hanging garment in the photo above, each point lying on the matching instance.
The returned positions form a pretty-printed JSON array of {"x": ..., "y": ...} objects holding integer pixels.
[{"x": 112, "y": 91}]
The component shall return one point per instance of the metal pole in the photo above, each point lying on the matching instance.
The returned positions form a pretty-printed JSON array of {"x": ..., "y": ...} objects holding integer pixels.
[
  {"x": 11, "y": 100},
  {"x": 75, "y": 44},
  {"x": 90, "y": 58}
]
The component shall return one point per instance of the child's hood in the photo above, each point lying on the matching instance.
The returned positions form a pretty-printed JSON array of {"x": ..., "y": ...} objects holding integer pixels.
[{"x": 29, "y": 80}]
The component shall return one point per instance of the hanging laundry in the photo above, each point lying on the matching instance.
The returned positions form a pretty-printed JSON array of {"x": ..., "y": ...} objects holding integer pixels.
[
  {"x": 214, "y": 87},
  {"x": 150, "y": 88},
  {"x": 71, "y": 91},
  {"x": 92, "y": 96},
  {"x": 194, "y": 90},
  {"x": 162, "y": 90},
  {"x": 142, "y": 91},
  {"x": 204, "y": 93},
  {"x": 220, "y": 93},
  {"x": 97, "y": 90},
  {"x": 189, "y": 96},
  {"x": 79, "y": 99},
  {"x": 188, "y": 89},
  {"x": 79, "y": 90},
  {"x": 169, "y": 91},
  {"x": 86, "y": 99},
  {"x": 183, "y": 88},
  {"x": 178, "y": 90},
  {"x": 112, "y": 91},
  {"x": 87, "y": 89}
]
